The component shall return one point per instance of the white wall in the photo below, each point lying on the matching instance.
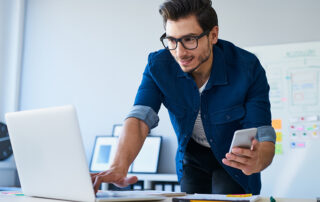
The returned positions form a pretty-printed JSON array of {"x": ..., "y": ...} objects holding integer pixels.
[
  {"x": 11, "y": 26},
  {"x": 11, "y": 34},
  {"x": 3, "y": 25},
  {"x": 92, "y": 53},
  {"x": 252, "y": 23}
]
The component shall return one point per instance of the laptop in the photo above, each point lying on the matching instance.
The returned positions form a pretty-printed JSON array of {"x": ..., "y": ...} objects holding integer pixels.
[{"x": 50, "y": 157}]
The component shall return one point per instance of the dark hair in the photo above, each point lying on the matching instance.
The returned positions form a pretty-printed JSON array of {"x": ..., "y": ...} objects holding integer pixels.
[{"x": 202, "y": 9}]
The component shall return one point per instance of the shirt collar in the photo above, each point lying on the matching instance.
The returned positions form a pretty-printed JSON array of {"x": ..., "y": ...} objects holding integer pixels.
[{"x": 218, "y": 74}]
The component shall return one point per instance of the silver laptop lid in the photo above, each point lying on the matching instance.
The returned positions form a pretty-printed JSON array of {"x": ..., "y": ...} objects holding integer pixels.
[{"x": 49, "y": 153}]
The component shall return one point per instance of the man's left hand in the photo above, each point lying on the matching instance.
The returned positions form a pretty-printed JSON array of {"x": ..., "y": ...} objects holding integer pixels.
[{"x": 247, "y": 160}]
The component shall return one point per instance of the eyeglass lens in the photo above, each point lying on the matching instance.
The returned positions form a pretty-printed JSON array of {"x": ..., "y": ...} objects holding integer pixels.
[{"x": 188, "y": 42}]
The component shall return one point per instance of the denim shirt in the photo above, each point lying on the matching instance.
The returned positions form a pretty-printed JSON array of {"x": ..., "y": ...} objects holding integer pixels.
[{"x": 235, "y": 97}]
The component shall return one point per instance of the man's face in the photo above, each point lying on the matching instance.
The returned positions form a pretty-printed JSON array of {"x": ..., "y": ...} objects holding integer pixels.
[{"x": 189, "y": 60}]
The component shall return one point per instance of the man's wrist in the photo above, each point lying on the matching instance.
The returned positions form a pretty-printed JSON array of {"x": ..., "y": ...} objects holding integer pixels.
[
  {"x": 119, "y": 168},
  {"x": 266, "y": 154}
]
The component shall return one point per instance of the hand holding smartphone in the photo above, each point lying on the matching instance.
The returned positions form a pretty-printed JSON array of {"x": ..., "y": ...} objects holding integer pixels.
[{"x": 243, "y": 138}]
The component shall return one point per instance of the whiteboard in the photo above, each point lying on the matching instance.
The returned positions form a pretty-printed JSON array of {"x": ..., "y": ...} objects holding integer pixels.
[{"x": 293, "y": 72}]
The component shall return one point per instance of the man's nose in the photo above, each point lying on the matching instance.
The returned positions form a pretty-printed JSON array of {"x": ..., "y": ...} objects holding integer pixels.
[{"x": 180, "y": 50}]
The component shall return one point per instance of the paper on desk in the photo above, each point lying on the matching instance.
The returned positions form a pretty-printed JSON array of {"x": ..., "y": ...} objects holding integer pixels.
[
  {"x": 5, "y": 194},
  {"x": 144, "y": 192},
  {"x": 218, "y": 197}
]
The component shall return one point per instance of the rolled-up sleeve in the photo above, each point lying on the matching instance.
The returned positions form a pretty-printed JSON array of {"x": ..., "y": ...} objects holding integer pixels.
[
  {"x": 146, "y": 114},
  {"x": 266, "y": 133},
  {"x": 148, "y": 99}
]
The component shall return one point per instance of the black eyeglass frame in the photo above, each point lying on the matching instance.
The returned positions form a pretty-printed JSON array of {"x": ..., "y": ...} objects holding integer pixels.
[{"x": 180, "y": 40}]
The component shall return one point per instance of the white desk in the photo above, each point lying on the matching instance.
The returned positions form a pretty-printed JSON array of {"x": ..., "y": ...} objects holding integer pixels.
[{"x": 31, "y": 199}]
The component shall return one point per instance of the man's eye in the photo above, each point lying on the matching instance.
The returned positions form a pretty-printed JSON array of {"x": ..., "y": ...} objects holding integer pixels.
[
  {"x": 171, "y": 40},
  {"x": 188, "y": 39}
]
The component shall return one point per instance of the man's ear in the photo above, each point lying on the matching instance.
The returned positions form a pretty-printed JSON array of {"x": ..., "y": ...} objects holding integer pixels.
[{"x": 214, "y": 35}]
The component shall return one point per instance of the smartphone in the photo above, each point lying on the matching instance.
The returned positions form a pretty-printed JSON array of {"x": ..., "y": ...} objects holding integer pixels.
[{"x": 243, "y": 138}]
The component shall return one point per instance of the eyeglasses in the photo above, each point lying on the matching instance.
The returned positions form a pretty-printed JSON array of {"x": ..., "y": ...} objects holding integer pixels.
[{"x": 188, "y": 42}]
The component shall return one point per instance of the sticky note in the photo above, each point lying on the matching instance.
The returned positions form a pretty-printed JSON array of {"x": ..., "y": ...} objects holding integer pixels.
[
  {"x": 277, "y": 124},
  {"x": 279, "y": 149},
  {"x": 279, "y": 136}
]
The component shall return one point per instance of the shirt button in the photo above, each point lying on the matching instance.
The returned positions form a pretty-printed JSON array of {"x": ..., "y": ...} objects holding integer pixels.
[
  {"x": 237, "y": 176},
  {"x": 211, "y": 140},
  {"x": 228, "y": 117},
  {"x": 204, "y": 116}
]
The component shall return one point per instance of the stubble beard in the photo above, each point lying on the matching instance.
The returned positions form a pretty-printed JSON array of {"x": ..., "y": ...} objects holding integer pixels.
[{"x": 202, "y": 59}]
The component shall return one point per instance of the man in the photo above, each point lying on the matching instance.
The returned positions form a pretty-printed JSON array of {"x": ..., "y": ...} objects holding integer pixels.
[{"x": 211, "y": 88}]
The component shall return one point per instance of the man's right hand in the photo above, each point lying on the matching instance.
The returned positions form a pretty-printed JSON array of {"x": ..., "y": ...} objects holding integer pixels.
[
  {"x": 130, "y": 142},
  {"x": 113, "y": 176}
]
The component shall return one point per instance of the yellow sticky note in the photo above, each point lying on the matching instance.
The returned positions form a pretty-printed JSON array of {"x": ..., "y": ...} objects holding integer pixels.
[
  {"x": 279, "y": 136},
  {"x": 277, "y": 124}
]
